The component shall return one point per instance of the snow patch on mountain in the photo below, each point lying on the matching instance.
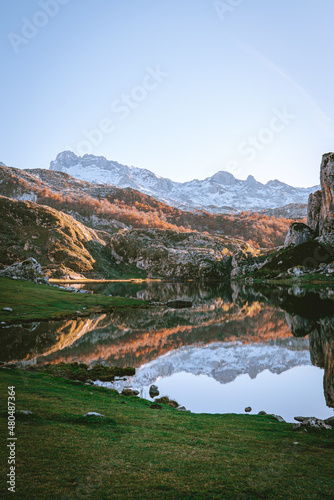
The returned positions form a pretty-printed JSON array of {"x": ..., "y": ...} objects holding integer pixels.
[{"x": 221, "y": 192}]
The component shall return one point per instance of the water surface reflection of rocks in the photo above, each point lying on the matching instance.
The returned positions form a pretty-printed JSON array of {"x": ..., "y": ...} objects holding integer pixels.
[
  {"x": 257, "y": 316},
  {"x": 311, "y": 312}
]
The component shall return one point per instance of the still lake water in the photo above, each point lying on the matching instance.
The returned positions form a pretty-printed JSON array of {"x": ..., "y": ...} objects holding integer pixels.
[{"x": 238, "y": 346}]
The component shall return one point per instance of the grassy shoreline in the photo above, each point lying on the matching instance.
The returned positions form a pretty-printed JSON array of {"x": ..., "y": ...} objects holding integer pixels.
[
  {"x": 32, "y": 302},
  {"x": 139, "y": 452}
]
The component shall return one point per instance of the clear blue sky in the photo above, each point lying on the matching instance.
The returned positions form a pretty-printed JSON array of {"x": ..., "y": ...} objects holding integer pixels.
[{"x": 243, "y": 85}]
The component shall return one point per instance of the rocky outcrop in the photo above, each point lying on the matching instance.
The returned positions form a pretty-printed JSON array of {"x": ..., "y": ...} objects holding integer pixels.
[
  {"x": 321, "y": 203},
  {"x": 54, "y": 239},
  {"x": 29, "y": 270},
  {"x": 171, "y": 254},
  {"x": 299, "y": 233},
  {"x": 311, "y": 423},
  {"x": 313, "y": 211}
]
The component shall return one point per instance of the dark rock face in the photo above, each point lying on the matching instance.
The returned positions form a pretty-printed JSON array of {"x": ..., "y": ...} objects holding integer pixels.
[
  {"x": 299, "y": 233},
  {"x": 313, "y": 211},
  {"x": 321, "y": 203}
]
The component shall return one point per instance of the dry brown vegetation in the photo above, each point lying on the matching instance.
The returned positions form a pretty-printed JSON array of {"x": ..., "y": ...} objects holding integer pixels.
[{"x": 138, "y": 210}]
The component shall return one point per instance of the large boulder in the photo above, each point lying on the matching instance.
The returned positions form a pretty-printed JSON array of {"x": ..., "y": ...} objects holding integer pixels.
[
  {"x": 29, "y": 270},
  {"x": 299, "y": 233},
  {"x": 321, "y": 203}
]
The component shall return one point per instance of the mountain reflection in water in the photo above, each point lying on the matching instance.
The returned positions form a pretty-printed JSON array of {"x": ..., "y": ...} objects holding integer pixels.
[{"x": 263, "y": 326}]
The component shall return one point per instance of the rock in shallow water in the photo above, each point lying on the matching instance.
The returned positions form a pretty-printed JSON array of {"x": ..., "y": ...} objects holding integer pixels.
[
  {"x": 154, "y": 391},
  {"x": 179, "y": 304}
]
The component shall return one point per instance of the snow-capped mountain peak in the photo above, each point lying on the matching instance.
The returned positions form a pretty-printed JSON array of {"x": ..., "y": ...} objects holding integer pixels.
[{"x": 218, "y": 193}]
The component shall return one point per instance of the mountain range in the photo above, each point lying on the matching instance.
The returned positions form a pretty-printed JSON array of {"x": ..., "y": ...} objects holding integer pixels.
[{"x": 221, "y": 192}]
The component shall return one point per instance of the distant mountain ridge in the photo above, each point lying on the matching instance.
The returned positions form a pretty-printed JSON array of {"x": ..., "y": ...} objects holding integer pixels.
[
  {"x": 221, "y": 192},
  {"x": 106, "y": 207}
]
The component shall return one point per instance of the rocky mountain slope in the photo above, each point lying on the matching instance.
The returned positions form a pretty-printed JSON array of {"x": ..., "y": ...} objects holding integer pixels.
[
  {"x": 165, "y": 253},
  {"x": 221, "y": 192},
  {"x": 62, "y": 245},
  {"x": 67, "y": 248},
  {"x": 105, "y": 207}
]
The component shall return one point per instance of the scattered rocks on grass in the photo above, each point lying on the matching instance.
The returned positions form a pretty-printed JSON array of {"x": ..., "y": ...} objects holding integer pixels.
[
  {"x": 8, "y": 309},
  {"x": 129, "y": 392},
  {"x": 183, "y": 408},
  {"x": 296, "y": 271},
  {"x": 94, "y": 414},
  {"x": 27, "y": 270},
  {"x": 262, "y": 413},
  {"x": 278, "y": 418},
  {"x": 301, "y": 419},
  {"x": 170, "y": 402},
  {"x": 25, "y": 412},
  {"x": 248, "y": 409},
  {"x": 312, "y": 423},
  {"x": 155, "y": 406}
]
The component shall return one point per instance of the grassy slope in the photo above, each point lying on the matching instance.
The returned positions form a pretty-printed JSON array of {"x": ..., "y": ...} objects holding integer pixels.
[
  {"x": 140, "y": 453},
  {"x": 30, "y": 301}
]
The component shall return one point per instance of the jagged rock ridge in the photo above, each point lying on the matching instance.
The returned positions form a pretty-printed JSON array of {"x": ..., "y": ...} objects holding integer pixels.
[{"x": 220, "y": 192}]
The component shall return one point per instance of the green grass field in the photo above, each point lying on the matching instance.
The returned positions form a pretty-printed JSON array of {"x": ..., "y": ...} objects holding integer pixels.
[
  {"x": 137, "y": 452},
  {"x": 31, "y": 302}
]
